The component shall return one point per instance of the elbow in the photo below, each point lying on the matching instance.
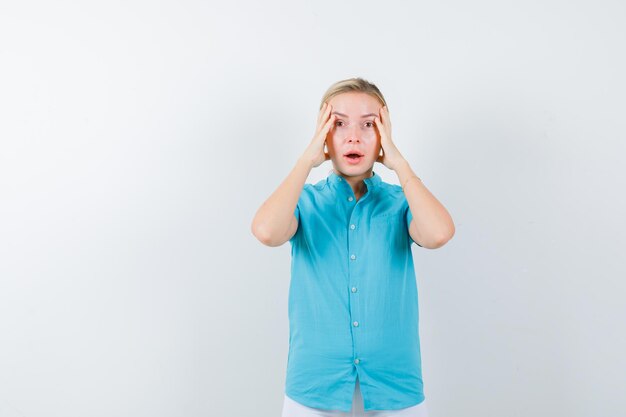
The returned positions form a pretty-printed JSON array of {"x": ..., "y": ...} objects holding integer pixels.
[
  {"x": 263, "y": 235},
  {"x": 443, "y": 238},
  {"x": 260, "y": 233},
  {"x": 439, "y": 243}
]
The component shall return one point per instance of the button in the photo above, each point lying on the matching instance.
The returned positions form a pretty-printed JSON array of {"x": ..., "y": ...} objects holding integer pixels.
[
  {"x": 353, "y": 257},
  {"x": 352, "y": 226},
  {"x": 339, "y": 178},
  {"x": 350, "y": 198},
  {"x": 355, "y": 324},
  {"x": 353, "y": 289},
  {"x": 357, "y": 361}
]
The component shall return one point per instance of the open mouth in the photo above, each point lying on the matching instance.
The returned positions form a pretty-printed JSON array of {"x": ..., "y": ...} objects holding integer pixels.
[{"x": 353, "y": 157}]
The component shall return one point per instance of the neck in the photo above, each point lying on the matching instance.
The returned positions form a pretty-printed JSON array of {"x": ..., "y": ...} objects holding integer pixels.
[{"x": 356, "y": 181}]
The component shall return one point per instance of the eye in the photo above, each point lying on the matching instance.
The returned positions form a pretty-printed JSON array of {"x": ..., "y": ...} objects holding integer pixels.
[
  {"x": 370, "y": 124},
  {"x": 337, "y": 123}
]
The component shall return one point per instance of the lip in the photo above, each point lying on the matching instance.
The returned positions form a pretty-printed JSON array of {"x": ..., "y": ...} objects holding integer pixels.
[
  {"x": 355, "y": 151},
  {"x": 353, "y": 161}
]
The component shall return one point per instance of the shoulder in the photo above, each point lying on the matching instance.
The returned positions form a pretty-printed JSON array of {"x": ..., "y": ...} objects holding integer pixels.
[
  {"x": 391, "y": 199},
  {"x": 318, "y": 187},
  {"x": 312, "y": 194},
  {"x": 391, "y": 191}
]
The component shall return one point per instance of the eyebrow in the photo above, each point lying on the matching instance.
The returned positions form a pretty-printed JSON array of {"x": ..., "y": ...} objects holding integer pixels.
[{"x": 345, "y": 115}]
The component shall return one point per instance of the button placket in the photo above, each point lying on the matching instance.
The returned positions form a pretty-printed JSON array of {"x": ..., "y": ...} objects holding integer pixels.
[{"x": 354, "y": 269}]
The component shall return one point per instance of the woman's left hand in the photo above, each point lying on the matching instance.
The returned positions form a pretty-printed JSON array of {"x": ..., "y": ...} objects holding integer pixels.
[{"x": 391, "y": 156}]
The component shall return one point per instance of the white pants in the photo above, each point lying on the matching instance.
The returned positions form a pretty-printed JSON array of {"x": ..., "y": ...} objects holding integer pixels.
[{"x": 293, "y": 408}]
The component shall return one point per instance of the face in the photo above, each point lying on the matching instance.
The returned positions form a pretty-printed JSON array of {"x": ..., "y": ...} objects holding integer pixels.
[{"x": 354, "y": 132}]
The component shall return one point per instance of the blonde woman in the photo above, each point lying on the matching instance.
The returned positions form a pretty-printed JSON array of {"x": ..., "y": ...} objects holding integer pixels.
[{"x": 354, "y": 346}]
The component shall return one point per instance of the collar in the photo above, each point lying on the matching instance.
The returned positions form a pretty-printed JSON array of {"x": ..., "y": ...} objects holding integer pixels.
[{"x": 372, "y": 181}]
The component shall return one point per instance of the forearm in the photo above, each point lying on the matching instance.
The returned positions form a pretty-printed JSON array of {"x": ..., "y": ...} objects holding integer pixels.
[
  {"x": 431, "y": 221},
  {"x": 273, "y": 218}
]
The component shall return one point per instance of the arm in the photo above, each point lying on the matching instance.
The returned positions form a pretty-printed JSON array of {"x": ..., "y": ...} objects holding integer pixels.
[
  {"x": 275, "y": 222},
  {"x": 431, "y": 225}
]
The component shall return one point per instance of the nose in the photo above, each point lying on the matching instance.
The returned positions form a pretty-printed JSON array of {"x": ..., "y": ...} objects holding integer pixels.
[{"x": 354, "y": 134}]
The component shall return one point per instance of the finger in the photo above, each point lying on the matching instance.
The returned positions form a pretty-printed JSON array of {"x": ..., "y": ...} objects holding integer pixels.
[
  {"x": 321, "y": 112},
  {"x": 330, "y": 122},
  {"x": 379, "y": 125},
  {"x": 326, "y": 128},
  {"x": 320, "y": 116},
  {"x": 325, "y": 117},
  {"x": 383, "y": 127},
  {"x": 385, "y": 115}
]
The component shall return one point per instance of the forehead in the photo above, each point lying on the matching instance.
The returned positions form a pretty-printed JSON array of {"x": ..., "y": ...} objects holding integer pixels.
[{"x": 355, "y": 103}]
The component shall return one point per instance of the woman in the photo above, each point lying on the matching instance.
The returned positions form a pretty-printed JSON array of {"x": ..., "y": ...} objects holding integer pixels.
[{"x": 353, "y": 313}]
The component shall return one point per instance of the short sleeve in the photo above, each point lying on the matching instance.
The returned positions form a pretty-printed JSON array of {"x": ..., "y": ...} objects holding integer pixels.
[
  {"x": 296, "y": 212},
  {"x": 409, "y": 217}
]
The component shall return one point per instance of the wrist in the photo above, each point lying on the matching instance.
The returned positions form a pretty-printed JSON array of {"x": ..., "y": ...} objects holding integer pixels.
[
  {"x": 412, "y": 177},
  {"x": 403, "y": 169},
  {"x": 305, "y": 162},
  {"x": 401, "y": 164}
]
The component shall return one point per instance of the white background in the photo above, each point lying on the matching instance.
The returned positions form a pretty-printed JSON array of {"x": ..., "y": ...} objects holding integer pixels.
[{"x": 138, "y": 139}]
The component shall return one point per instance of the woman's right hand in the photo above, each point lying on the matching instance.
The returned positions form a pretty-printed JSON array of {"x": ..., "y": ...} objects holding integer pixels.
[{"x": 315, "y": 151}]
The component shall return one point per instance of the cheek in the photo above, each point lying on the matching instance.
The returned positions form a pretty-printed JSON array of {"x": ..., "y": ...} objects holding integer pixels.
[
  {"x": 372, "y": 148},
  {"x": 332, "y": 143},
  {"x": 371, "y": 135},
  {"x": 370, "y": 138}
]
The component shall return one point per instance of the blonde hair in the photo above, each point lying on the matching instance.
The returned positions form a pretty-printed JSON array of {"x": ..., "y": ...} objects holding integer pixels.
[{"x": 353, "y": 85}]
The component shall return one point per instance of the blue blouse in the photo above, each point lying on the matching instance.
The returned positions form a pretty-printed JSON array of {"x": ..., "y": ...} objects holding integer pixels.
[{"x": 353, "y": 307}]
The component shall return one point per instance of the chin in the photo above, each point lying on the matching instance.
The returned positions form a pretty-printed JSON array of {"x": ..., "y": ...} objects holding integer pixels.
[{"x": 351, "y": 170}]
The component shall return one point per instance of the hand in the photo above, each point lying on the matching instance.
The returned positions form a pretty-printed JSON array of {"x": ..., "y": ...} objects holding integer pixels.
[
  {"x": 391, "y": 156},
  {"x": 315, "y": 153}
]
